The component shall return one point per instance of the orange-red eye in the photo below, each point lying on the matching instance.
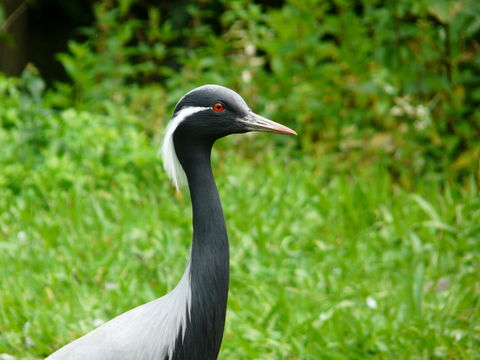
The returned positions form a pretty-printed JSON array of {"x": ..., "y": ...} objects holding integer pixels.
[{"x": 218, "y": 107}]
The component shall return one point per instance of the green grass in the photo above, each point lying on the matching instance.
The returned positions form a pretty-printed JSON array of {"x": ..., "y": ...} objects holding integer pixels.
[{"x": 325, "y": 264}]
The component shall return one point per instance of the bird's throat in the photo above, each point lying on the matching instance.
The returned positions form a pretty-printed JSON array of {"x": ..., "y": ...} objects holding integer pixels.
[{"x": 209, "y": 261}]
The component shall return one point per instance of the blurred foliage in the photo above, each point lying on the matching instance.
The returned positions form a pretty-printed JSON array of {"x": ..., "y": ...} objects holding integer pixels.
[
  {"x": 360, "y": 78},
  {"x": 44, "y": 149},
  {"x": 364, "y": 80}
]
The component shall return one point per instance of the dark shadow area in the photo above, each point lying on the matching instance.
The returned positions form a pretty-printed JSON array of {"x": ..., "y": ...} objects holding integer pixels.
[{"x": 33, "y": 32}]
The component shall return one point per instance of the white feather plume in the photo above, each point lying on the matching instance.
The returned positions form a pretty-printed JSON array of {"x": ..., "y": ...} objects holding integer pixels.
[{"x": 170, "y": 160}]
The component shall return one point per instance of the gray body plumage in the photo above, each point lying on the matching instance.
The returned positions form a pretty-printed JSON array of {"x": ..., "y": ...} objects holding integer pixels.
[{"x": 146, "y": 332}]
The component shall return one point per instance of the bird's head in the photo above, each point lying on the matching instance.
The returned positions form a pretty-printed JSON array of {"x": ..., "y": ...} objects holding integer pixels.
[{"x": 204, "y": 115}]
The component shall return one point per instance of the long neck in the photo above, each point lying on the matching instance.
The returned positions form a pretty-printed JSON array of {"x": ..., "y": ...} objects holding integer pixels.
[{"x": 209, "y": 261}]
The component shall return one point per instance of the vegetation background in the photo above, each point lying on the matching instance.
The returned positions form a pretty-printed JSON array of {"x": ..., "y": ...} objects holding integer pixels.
[{"x": 359, "y": 239}]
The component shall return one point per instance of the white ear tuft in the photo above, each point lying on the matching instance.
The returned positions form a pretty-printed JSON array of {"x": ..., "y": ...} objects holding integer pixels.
[{"x": 170, "y": 160}]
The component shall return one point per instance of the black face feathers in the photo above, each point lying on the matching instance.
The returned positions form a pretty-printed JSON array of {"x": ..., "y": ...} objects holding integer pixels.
[
  {"x": 207, "y": 122},
  {"x": 204, "y": 115},
  {"x": 201, "y": 116}
]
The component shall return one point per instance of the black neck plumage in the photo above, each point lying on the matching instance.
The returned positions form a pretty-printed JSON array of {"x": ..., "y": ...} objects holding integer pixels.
[{"x": 209, "y": 260}]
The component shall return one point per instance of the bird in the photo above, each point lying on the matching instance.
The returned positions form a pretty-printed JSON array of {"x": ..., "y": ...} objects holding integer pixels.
[{"x": 188, "y": 322}]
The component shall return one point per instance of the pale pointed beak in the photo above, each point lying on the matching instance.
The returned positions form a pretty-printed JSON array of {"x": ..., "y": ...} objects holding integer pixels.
[{"x": 256, "y": 122}]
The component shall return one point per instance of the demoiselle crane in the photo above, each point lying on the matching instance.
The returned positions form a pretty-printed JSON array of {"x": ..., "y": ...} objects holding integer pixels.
[{"x": 188, "y": 322}]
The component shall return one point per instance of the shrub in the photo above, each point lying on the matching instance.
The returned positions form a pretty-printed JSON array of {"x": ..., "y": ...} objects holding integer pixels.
[
  {"x": 45, "y": 149},
  {"x": 363, "y": 80}
]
